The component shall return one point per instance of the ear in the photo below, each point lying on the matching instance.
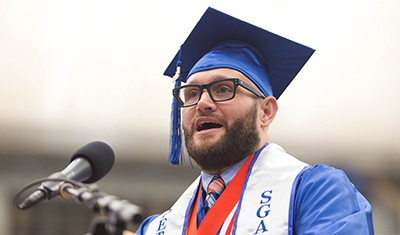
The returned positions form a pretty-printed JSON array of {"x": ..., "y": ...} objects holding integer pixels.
[{"x": 269, "y": 108}]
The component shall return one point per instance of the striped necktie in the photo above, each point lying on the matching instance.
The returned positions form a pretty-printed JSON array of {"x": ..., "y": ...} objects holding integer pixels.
[{"x": 214, "y": 190}]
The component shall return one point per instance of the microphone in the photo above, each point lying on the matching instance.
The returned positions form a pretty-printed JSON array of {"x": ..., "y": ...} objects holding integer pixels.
[{"x": 88, "y": 165}]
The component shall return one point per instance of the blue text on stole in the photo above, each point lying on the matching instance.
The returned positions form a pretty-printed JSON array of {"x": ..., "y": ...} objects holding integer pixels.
[
  {"x": 263, "y": 210},
  {"x": 163, "y": 224}
]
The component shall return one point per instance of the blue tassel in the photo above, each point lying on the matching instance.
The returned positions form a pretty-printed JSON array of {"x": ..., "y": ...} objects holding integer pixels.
[{"x": 176, "y": 132}]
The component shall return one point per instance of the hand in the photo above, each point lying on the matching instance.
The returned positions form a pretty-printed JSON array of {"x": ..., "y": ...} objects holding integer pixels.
[{"x": 126, "y": 232}]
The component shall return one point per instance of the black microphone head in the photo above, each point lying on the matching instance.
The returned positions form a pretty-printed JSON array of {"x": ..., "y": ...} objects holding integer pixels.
[{"x": 100, "y": 156}]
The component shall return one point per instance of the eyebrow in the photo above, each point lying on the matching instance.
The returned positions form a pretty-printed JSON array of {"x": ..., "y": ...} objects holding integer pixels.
[{"x": 213, "y": 78}]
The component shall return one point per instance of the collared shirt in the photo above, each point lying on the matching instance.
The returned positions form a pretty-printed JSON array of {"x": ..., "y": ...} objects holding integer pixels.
[{"x": 227, "y": 175}]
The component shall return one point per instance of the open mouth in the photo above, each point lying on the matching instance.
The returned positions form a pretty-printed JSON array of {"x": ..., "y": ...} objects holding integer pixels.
[{"x": 207, "y": 125}]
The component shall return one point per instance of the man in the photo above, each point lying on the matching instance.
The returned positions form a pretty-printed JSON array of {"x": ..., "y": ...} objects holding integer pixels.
[{"x": 234, "y": 72}]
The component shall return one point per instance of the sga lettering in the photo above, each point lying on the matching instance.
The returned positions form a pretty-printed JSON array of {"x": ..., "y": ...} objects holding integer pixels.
[{"x": 263, "y": 211}]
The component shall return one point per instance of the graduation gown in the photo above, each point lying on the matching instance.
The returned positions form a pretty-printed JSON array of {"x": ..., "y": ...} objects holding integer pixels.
[{"x": 324, "y": 202}]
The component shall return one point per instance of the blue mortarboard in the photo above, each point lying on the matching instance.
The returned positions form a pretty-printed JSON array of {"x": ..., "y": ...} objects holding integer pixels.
[{"x": 222, "y": 41}]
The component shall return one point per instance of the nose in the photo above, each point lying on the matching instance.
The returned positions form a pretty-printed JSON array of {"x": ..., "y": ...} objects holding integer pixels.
[{"x": 206, "y": 103}]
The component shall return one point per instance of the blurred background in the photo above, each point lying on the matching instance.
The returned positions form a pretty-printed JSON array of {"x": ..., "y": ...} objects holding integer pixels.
[{"x": 72, "y": 72}]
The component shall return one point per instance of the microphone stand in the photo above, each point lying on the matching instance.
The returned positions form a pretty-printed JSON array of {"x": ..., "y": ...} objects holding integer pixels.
[{"x": 119, "y": 212}]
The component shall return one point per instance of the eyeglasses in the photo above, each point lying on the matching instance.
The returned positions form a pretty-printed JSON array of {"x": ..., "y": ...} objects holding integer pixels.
[{"x": 219, "y": 90}]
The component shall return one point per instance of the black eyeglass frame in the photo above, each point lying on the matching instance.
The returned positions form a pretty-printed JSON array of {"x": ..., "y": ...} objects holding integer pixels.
[{"x": 236, "y": 82}]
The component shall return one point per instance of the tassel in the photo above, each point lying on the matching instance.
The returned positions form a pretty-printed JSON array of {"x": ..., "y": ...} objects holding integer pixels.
[{"x": 176, "y": 133}]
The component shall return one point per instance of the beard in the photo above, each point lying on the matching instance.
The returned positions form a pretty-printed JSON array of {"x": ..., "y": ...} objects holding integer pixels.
[{"x": 238, "y": 142}]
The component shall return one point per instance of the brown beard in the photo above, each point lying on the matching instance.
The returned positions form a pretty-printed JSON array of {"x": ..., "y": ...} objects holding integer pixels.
[{"x": 239, "y": 141}]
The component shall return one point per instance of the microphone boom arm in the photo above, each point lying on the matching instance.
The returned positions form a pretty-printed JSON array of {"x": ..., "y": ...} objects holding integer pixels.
[{"x": 91, "y": 197}]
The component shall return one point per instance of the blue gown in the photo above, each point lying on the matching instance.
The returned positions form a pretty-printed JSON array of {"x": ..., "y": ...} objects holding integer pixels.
[{"x": 326, "y": 202}]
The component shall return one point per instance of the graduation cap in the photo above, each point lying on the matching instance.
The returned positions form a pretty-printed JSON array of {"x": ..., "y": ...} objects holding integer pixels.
[{"x": 221, "y": 41}]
